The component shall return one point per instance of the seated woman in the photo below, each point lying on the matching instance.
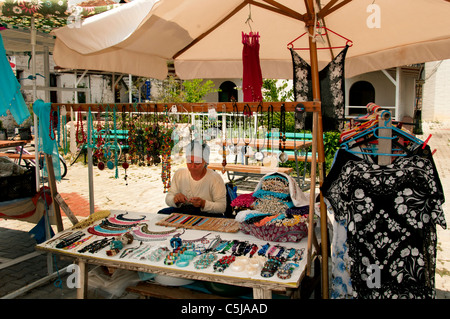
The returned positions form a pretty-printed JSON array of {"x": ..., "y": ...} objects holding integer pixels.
[{"x": 196, "y": 190}]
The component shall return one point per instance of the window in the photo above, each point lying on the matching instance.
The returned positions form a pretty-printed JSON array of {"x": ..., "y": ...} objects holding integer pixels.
[
  {"x": 227, "y": 91},
  {"x": 361, "y": 93}
]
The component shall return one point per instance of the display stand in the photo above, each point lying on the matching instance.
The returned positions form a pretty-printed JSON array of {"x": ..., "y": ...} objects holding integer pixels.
[{"x": 313, "y": 107}]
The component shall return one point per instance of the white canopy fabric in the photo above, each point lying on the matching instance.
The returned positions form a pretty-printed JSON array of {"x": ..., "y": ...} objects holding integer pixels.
[{"x": 203, "y": 37}]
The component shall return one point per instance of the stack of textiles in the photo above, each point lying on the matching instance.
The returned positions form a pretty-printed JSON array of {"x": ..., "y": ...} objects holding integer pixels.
[{"x": 272, "y": 214}]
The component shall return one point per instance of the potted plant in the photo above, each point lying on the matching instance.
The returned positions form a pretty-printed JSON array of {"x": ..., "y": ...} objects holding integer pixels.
[
  {"x": 3, "y": 132},
  {"x": 25, "y": 130}
]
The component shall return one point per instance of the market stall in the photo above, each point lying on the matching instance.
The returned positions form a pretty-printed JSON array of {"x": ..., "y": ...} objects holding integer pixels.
[{"x": 307, "y": 241}]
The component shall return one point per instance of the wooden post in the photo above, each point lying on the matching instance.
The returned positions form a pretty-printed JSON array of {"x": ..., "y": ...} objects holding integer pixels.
[
  {"x": 58, "y": 198},
  {"x": 53, "y": 191},
  {"x": 320, "y": 147}
]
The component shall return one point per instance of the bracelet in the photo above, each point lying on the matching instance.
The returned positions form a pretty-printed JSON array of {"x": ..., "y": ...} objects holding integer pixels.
[
  {"x": 263, "y": 249},
  {"x": 272, "y": 251},
  {"x": 182, "y": 263},
  {"x": 223, "y": 263},
  {"x": 253, "y": 250}
]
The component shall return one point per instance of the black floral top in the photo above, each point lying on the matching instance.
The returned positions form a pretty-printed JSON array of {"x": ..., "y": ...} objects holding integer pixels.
[
  {"x": 332, "y": 88},
  {"x": 391, "y": 213}
]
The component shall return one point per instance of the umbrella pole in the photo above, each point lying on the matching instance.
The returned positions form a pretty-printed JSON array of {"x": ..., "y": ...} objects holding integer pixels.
[{"x": 318, "y": 131}]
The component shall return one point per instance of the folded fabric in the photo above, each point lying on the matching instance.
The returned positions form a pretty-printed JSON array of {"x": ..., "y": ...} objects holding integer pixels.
[{"x": 297, "y": 196}]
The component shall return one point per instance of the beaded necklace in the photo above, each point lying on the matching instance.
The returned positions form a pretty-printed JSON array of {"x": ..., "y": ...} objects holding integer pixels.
[
  {"x": 247, "y": 127},
  {"x": 96, "y": 245},
  {"x": 282, "y": 142},
  {"x": 260, "y": 119},
  {"x": 144, "y": 229},
  {"x": 64, "y": 129},
  {"x": 224, "y": 140},
  {"x": 122, "y": 218},
  {"x": 235, "y": 130},
  {"x": 53, "y": 125},
  {"x": 82, "y": 139},
  {"x": 165, "y": 153},
  {"x": 101, "y": 231},
  {"x": 140, "y": 235}
]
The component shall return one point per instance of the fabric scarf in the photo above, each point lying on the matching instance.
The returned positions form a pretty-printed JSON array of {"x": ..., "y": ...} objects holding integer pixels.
[
  {"x": 252, "y": 76},
  {"x": 45, "y": 143},
  {"x": 332, "y": 89},
  {"x": 10, "y": 96}
]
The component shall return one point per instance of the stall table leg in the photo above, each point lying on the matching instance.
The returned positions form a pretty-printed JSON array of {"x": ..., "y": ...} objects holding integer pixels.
[
  {"x": 261, "y": 293},
  {"x": 83, "y": 287}
]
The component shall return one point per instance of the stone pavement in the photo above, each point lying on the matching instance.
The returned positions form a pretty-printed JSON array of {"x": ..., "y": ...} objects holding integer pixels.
[{"x": 144, "y": 193}]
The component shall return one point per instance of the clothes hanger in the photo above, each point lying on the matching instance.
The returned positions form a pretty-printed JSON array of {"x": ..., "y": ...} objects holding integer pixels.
[
  {"x": 323, "y": 32},
  {"x": 372, "y": 134}
]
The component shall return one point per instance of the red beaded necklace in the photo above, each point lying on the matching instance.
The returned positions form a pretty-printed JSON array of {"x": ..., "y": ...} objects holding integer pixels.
[{"x": 81, "y": 140}]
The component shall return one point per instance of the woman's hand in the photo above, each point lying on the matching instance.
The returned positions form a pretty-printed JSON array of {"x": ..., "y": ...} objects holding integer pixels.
[
  {"x": 197, "y": 202},
  {"x": 179, "y": 198}
]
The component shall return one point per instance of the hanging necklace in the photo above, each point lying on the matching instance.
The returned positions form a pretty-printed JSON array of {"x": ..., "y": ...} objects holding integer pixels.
[
  {"x": 247, "y": 128},
  {"x": 234, "y": 130},
  {"x": 271, "y": 160},
  {"x": 82, "y": 139},
  {"x": 224, "y": 139},
  {"x": 165, "y": 153},
  {"x": 64, "y": 129},
  {"x": 259, "y": 156},
  {"x": 283, "y": 156},
  {"x": 53, "y": 125}
]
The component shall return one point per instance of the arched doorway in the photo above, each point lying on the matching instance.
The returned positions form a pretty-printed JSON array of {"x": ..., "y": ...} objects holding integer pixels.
[
  {"x": 361, "y": 93},
  {"x": 227, "y": 91}
]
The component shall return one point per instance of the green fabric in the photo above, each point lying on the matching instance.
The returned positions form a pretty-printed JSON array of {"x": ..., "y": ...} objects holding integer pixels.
[
  {"x": 45, "y": 143},
  {"x": 10, "y": 96}
]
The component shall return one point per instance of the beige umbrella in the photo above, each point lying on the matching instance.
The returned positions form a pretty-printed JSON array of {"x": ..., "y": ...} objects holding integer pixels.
[{"x": 203, "y": 37}]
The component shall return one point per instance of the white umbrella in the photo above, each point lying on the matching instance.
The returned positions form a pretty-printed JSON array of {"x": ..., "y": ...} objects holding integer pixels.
[{"x": 203, "y": 37}]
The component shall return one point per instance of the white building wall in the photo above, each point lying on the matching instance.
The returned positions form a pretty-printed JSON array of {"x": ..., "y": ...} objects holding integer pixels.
[{"x": 436, "y": 91}]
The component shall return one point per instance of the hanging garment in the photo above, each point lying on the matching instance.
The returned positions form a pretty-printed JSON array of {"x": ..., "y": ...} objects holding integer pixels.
[
  {"x": 252, "y": 76},
  {"x": 391, "y": 213},
  {"x": 332, "y": 89},
  {"x": 10, "y": 96},
  {"x": 47, "y": 141}
]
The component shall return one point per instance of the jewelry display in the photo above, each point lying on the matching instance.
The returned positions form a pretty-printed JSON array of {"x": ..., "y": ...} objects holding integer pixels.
[
  {"x": 283, "y": 157},
  {"x": 263, "y": 249},
  {"x": 286, "y": 270},
  {"x": 118, "y": 243},
  {"x": 69, "y": 240},
  {"x": 259, "y": 156},
  {"x": 205, "y": 260},
  {"x": 96, "y": 246},
  {"x": 223, "y": 263},
  {"x": 271, "y": 266},
  {"x": 80, "y": 129},
  {"x": 78, "y": 243},
  {"x": 159, "y": 254},
  {"x": 140, "y": 235}
]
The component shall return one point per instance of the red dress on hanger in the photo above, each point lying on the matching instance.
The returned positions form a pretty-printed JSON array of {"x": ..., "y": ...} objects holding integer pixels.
[{"x": 252, "y": 77}]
